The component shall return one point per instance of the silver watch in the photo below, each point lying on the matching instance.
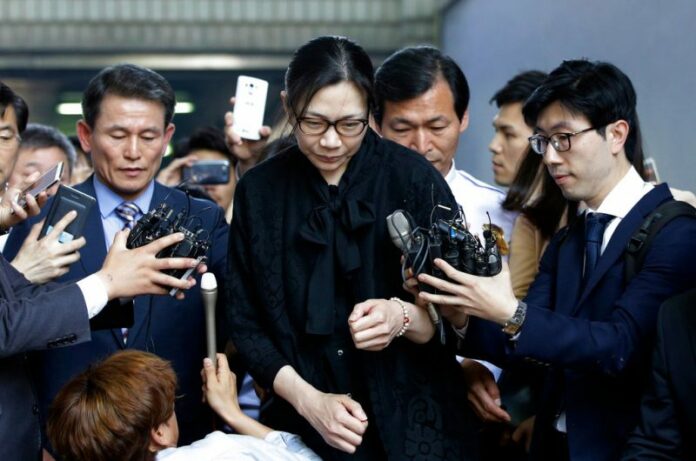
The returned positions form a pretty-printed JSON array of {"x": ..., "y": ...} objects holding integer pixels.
[{"x": 513, "y": 325}]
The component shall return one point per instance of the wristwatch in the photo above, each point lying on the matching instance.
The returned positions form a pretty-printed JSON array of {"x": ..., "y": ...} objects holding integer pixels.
[{"x": 513, "y": 325}]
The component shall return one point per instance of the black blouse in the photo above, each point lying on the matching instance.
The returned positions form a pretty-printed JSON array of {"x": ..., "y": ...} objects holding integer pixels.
[{"x": 302, "y": 254}]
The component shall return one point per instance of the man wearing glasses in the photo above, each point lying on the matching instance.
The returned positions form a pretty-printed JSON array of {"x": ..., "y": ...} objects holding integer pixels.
[{"x": 581, "y": 321}]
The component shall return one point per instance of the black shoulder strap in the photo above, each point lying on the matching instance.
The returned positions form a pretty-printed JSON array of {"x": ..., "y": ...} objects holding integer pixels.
[{"x": 640, "y": 242}]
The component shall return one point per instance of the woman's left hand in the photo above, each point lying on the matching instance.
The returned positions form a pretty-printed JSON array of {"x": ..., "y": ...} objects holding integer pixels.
[{"x": 375, "y": 323}]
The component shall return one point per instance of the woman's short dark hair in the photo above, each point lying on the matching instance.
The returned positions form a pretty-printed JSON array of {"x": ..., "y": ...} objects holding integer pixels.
[
  {"x": 10, "y": 98},
  {"x": 326, "y": 61},
  {"x": 597, "y": 90},
  {"x": 109, "y": 410},
  {"x": 127, "y": 81},
  {"x": 412, "y": 71}
]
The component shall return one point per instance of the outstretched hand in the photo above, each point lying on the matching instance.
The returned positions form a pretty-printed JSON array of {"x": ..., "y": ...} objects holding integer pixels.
[
  {"x": 489, "y": 298},
  {"x": 483, "y": 392},
  {"x": 42, "y": 260},
  {"x": 127, "y": 273}
]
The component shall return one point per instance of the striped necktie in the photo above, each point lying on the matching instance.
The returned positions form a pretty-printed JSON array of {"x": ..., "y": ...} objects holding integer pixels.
[{"x": 127, "y": 211}]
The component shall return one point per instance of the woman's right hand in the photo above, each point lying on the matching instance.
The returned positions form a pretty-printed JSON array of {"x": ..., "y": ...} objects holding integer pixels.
[{"x": 339, "y": 419}]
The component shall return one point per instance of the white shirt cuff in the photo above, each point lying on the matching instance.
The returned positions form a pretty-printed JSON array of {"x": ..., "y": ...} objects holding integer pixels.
[
  {"x": 94, "y": 292},
  {"x": 461, "y": 332}
]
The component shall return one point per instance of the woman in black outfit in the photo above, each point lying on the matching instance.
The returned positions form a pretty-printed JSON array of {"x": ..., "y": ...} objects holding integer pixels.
[{"x": 314, "y": 278}]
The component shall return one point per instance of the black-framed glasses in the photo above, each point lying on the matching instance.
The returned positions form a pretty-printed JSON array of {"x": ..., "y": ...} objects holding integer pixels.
[
  {"x": 345, "y": 127},
  {"x": 559, "y": 141}
]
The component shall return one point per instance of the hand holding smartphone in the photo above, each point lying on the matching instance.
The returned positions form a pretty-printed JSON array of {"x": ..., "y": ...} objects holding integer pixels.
[
  {"x": 249, "y": 107},
  {"x": 46, "y": 181}
]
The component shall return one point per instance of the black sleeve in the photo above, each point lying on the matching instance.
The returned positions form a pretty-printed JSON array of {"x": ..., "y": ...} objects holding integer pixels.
[{"x": 248, "y": 329}]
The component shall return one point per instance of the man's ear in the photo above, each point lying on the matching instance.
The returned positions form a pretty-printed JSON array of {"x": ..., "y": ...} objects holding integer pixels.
[
  {"x": 84, "y": 134},
  {"x": 158, "y": 438},
  {"x": 168, "y": 133},
  {"x": 464, "y": 123},
  {"x": 617, "y": 133}
]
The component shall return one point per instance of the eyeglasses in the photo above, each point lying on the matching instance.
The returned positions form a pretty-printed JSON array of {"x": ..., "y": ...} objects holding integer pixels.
[
  {"x": 345, "y": 127},
  {"x": 559, "y": 141},
  {"x": 9, "y": 140}
]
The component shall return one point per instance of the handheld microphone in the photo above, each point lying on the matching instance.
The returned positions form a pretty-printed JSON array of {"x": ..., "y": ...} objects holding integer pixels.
[
  {"x": 399, "y": 227},
  {"x": 209, "y": 293}
]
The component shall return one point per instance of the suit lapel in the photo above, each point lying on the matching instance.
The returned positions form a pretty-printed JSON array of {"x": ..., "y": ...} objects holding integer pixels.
[
  {"x": 569, "y": 276},
  {"x": 94, "y": 252},
  {"x": 617, "y": 244}
]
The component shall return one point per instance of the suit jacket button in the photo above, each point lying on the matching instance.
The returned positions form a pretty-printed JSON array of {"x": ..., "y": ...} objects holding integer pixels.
[{"x": 35, "y": 409}]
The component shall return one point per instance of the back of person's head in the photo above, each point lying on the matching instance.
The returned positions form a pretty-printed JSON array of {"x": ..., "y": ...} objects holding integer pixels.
[
  {"x": 205, "y": 138},
  {"x": 519, "y": 88},
  {"x": 9, "y": 98},
  {"x": 108, "y": 411},
  {"x": 322, "y": 62},
  {"x": 597, "y": 90},
  {"x": 127, "y": 81},
  {"x": 412, "y": 71},
  {"x": 37, "y": 136}
]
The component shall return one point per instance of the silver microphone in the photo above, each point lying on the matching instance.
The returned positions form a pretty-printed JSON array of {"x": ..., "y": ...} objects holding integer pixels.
[
  {"x": 209, "y": 293},
  {"x": 400, "y": 231}
]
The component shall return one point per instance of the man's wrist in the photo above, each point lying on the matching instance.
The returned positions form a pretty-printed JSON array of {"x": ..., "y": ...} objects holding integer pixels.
[{"x": 513, "y": 325}]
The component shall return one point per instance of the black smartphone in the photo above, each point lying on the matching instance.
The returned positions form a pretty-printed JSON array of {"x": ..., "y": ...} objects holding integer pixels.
[
  {"x": 66, "y": 200},
  {"x": 206, "y": 172},
  {"x": 47, "y": 180}
]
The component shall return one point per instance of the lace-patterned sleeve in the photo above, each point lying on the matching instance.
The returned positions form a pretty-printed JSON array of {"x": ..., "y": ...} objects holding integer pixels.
[{"x": 249, "y": 332}]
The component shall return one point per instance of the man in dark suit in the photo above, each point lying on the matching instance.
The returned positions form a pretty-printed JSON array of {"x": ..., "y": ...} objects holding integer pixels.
[
  {"x": 55, "y": 315},
  {"x": 126, "y": 127},
  {"x": 667, "y": 428},
  {"x": 580, "y": 319}
]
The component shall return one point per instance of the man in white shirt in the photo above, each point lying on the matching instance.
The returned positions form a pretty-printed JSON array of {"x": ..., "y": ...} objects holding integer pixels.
[
  {"x": 423, "y": 97},
  {"x": 581, "y": 320}
]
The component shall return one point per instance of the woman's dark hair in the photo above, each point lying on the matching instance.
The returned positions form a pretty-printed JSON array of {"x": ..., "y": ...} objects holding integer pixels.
[
  {"x": 546, "y": 210},
  {"x": 326, "y": 61},
  {"x": 10, "y": 98}
]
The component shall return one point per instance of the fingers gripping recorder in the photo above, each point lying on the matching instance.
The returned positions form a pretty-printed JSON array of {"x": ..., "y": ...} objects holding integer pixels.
[
  {"x": 162, "y": 221},
  {"x": 446, "y": 239}
]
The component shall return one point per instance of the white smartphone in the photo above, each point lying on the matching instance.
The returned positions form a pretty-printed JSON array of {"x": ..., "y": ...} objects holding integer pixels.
[
  {"x": 249, "y": 106},
  {"x": 48, "y": 179}
]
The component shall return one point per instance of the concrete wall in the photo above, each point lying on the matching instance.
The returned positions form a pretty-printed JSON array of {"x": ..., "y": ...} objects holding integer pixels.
[{"x": 654, "y": 42}]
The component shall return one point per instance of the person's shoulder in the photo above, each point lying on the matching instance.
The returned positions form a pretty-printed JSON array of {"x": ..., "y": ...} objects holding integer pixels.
[
  {"x": 479, "y": 185},
  {"x": 179, "y": 198}
]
